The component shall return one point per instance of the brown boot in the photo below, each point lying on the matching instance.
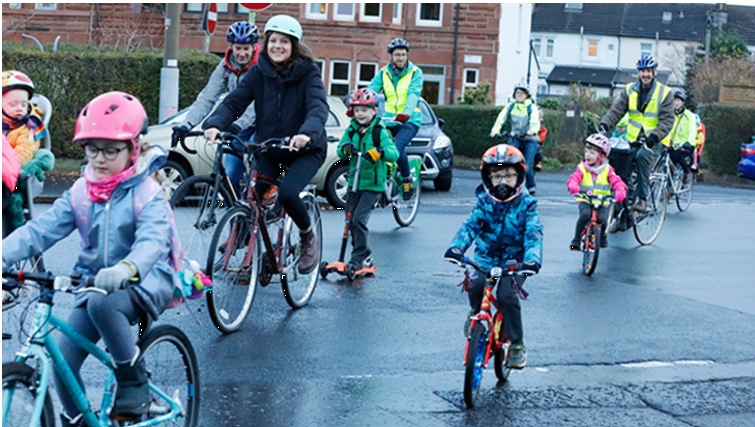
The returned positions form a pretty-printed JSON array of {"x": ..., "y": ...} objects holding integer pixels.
[
  {"x": 310, "y": 252},
  {"x": 641, "y": 206}
]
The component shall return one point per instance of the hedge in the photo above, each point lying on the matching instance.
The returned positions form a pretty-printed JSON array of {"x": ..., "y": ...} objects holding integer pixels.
[
  {"x": 468, "y": 126},
  {"x": 727, "y": 127},
  {"x": 71, "y": 79}
]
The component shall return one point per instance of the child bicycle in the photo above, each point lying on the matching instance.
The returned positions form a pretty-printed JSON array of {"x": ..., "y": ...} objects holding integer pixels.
[
  {"x": 486, "y": 326},
  {"x": 242, "y": 253},
  {"x": 590, "y": 240},
  {"x": 168, "y": 355},
  {"x": 403, "y": 213}
]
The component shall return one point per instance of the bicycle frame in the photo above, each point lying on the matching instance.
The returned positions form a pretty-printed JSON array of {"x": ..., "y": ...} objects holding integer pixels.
[
  {"x": 492, "y": 321},
  {"x": 41, "y": 346}
]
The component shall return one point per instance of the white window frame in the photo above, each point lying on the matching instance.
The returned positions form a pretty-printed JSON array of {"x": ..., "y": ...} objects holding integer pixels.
[
  {"x": 467, "y": 85},
  {"x": 427, "y": 22},
  {"x": 222, "y": 8},
  {"x": 46, "y": 6},
  {"x": 549, "y": 42},
  {"x": 344, "y": 17},
  {"x": 597, "y": 49},
  {"x": 14, "y": 5},
  {"x": 322, "y": 67},
  {"x": 315, "y": 15},
  {"x": 192, "y": 7},
  {"x": 365, "y": 18},
  {"x": 537, "y": 45},
  {"x": 365, "y": 83},
  {"x": 397, "y": 7},
  {"x": 333, "y": 80},
  {"x": 649, "y": 51}
]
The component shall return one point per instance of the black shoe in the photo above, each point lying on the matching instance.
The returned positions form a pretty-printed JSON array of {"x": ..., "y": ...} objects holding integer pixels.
[
  {"x": 407, "y": 187},
  {"x": 132, "y": 395},
  {"x": 641, "y": 206},
  {"x": 309, "y": 255},
  {"x": 574, "y": 245},
  {"x": 603, "y": 241}
]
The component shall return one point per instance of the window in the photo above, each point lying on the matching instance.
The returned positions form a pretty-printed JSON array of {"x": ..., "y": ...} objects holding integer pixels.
[
  {"x": 536, "y": 47},
  {"x": 321, "y": 66},
  {"x": 667, "y": 17},
  {"x": 195, "y": 7},
  {"x": 646, "y": 49},
  {"x": 371, "y": 12},
  {"x": 339, "y": 77},
  {"x": 592, "y": 48},
  {"x": 542, "y": 89},
  {"x": 430, "y": 14},
  {"x": 397, "y": 9},
  {"x": 549, "y": 48},
  {"x": 573, "y": 6},
  {"x": 242, "y": 9},
  {"x": 14, "y": 5},
  {"x": 222, "y": 7},
  {"x": 344, "y": 12},
  {"x": 366, "y": 71},
  {"x": 471, "y": 76},
  {"x": 317, "y": 10},
  {"x": 46, "y": 6}
]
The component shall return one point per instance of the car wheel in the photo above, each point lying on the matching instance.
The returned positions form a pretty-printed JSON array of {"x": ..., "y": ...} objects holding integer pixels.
[
  {"x": 337, "y": 187},
  {"x": 443, "y": 180},
  {"x": 170, "y": 176}
]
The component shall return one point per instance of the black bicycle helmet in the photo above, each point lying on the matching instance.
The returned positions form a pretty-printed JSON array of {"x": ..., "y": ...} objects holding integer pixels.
[
  {"x": 680, "y": 94},
  {"x": 243, "y": 32},
  {"x": 398, "y": 43}
]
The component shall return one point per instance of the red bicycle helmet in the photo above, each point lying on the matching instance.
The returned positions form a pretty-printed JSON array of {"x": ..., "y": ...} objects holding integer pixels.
[
  {"x": 364, "y": 97},
  {"x": 503, "y": 155}
]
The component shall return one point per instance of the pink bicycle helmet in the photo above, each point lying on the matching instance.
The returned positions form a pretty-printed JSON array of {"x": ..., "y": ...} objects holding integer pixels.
[
  {"x": 113, "y": 115},
  {"x": 600, "y": 141}
]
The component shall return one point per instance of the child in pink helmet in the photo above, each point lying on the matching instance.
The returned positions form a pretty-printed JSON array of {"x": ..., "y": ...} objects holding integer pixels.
[
  {"x": 595, "y": 176},
  {"x": 127, "y": 232}
]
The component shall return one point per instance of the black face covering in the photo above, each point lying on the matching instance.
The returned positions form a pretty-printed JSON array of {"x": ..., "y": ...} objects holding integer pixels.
[{"x": 503, "y": 192}]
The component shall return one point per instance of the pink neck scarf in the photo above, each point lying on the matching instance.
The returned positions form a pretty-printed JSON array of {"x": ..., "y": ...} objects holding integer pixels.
[{"x": 99, "y": 190}]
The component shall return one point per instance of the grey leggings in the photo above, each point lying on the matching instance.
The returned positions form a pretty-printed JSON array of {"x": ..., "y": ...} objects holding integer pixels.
[{"x": 102, "y": 316}]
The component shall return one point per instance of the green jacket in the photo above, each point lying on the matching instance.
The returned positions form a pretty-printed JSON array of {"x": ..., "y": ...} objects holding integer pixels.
[
  {"x": 411, "y": 96},
  {"x": 371, "y": 176}
]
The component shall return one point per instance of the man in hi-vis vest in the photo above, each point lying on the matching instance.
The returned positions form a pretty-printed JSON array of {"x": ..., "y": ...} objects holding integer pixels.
[
  {"x": 401, "y": 82},
  {"x": 650, "y": 105}
]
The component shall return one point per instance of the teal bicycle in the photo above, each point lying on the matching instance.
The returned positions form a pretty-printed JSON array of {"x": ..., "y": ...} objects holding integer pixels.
[{"x": 168, "y": 354}]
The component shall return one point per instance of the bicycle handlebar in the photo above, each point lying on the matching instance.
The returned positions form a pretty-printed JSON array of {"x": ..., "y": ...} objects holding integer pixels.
[
  {"x": 15, "y": 279},
  {"x": 520, "y": 136},
  {"x": 513, "y": 268}
]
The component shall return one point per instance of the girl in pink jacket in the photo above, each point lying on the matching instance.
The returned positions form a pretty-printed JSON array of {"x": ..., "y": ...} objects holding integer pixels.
[{"x": 594, "y": 176}]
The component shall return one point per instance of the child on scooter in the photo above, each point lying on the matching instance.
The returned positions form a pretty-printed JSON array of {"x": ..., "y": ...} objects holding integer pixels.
[
  {"x": 368, "y": 135},
  {"x": 594, "y": 175},
  {"x": 504, "y": 225}
]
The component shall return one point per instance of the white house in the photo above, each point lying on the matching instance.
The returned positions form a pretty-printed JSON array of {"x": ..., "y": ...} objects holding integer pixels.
[{"x": 513, "y": 53}]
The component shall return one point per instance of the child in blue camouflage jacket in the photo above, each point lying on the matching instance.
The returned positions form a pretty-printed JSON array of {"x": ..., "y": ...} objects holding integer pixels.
[{"x": 504, "y": 225}]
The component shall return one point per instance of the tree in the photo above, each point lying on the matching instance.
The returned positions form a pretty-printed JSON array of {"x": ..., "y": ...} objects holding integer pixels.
[
  {"x": 478, "y": 96},
  {"x": 728, "y": 44}
]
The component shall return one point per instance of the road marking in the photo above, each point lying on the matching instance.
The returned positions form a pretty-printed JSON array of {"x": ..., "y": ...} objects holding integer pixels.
[{"x": 541, "y": 369}]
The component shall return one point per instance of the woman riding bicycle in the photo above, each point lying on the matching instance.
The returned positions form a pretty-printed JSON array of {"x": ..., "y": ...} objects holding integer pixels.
[
  {"x": 290, "y": 101},
  {"x": 118, "y": 246}
]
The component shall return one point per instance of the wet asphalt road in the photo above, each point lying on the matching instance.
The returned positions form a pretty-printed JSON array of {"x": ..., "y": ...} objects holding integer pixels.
[{"x": 658, "y": 336}]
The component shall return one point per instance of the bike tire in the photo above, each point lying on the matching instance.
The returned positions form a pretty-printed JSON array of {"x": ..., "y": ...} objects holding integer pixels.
[
  {"x": 196, "y": 216},
  {"x": 648, "y": 227},
  {"x": 172, "y": 367},
  {"x": 591, "y": 249},
  {"x": 478, "y": 342},
  {"x": 233, "y": 287},
  {"x": 298, "y": 288},
  {"x": 501, "y": 357},
  {"x": 20, "y": 379},
  {"x": 684, "y": 196},
  {"x": 405, "y": 211}
]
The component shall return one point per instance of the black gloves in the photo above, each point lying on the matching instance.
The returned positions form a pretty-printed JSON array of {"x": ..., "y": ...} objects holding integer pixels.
[
  {"x": 530, "y": 268},
  {"x": 603, "y": 128},
  {"x": 234, "y": 129},
  {"x": 179, "y": 133},
  {"x": 651, "y": 140},
  {"x": 347, "y": 149},
  {"x": 454, "y": 255}
]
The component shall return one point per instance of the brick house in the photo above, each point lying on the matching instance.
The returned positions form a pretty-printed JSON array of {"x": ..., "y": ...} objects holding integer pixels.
[{"x": 349, "y": 38}]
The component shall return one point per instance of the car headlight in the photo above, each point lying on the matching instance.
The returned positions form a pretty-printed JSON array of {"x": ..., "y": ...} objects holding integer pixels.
[{"x": 441, "y": 142}]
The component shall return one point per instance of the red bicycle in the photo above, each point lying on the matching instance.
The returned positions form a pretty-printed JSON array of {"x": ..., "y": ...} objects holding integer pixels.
[
  {"x": 486, "y": 327},
  {"x": 590, "y": 240}
]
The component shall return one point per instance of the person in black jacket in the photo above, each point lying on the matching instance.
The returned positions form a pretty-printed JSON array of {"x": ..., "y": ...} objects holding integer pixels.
[{"x": 290, "y": 102}]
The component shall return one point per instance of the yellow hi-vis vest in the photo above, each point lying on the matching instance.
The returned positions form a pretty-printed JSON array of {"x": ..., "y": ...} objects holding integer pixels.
[
  {"x": 395, "y": 97},
  {"x": 600, "y": 187},
  {"x": 649, "y": 119}
]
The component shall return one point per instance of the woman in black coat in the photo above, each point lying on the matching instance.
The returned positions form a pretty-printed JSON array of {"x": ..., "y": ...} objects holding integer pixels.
[{"x": 291, "y": 102}]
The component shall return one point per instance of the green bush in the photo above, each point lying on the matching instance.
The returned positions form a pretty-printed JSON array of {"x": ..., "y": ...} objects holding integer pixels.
[
  {"x": 469, "y": 126},
  {"x": 71, "y": 79},
  {"x": 727, "y": 127}
]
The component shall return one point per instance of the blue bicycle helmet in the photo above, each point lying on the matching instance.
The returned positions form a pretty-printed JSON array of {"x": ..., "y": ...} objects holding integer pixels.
[
  {"x": 646, "y": 62},
  {"x": 243, "y": 32}
]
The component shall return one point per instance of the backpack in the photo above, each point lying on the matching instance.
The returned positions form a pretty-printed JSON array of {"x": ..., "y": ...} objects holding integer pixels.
[{"x": 144, "y": 193}]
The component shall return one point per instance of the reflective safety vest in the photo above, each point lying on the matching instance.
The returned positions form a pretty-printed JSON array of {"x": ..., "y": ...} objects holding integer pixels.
[
  {"x": 600, "y": 187},
  {"x": 395, "y": 96},
  {"x": 649, "y": 119}
]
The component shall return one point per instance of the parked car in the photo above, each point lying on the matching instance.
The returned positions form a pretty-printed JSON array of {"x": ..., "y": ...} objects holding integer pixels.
[{"x": 430, "y": 143}]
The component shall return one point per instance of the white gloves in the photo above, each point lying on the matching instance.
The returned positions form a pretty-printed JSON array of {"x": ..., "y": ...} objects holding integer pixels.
[{"x": 113, "y": 278}]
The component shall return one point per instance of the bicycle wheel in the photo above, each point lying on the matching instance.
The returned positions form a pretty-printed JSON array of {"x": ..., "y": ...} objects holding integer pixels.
[
  {"x": 196, "y": 214},
  {"x": 15, "y": 322},
  {"x": 233, "y": 284},
  {"x": 20, "y": 385},
  {"x": 684, "y": 196},
  {"x": 501, "y": 357},
  {"x": 478, "y": 343},
  {"x": 298, "y": 288},
  {"x": 405, "y": 211},
  {"x": 647, "y": 226},
  {"x": 173, "y": 372},
  {"x": 590, "y": 249}
]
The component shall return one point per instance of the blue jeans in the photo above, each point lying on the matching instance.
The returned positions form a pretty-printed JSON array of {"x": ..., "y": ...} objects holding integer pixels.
[
  {"x": 529, "y": 149},
  {"x": 234, "y": 166},
  {"x": 402, "y": 136}
]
